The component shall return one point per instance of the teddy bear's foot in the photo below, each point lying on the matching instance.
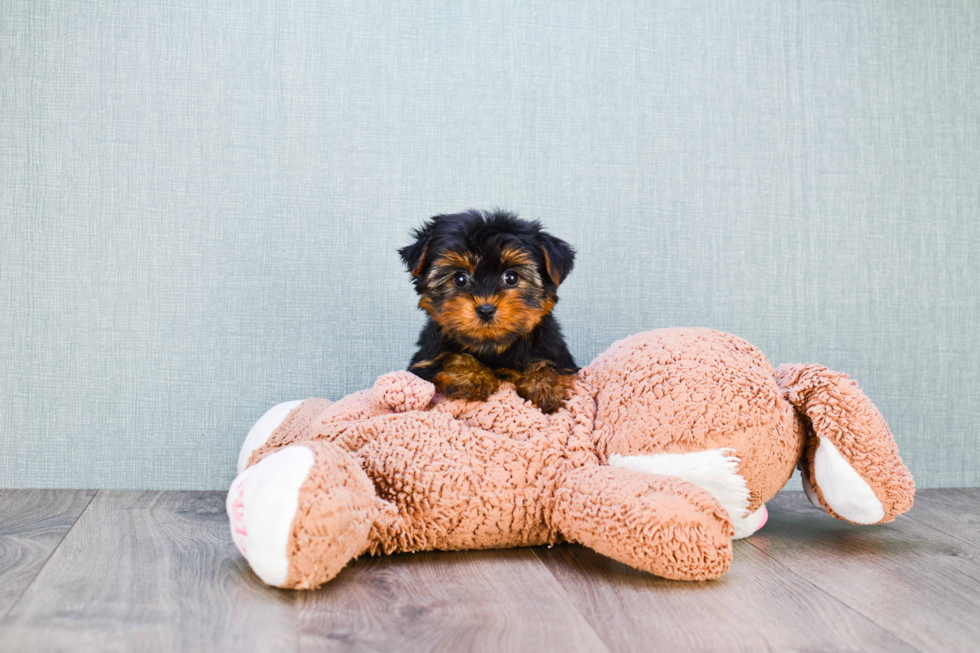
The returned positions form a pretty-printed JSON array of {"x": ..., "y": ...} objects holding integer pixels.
[
  {"x": 262, "y": 504},
  {"x": 715, "y": 470},
  {"x": 301, "y": 513},
  {"x": 751, "y": 524},
  {"x": 296, "y": 421},
  {"x": 844, "y": 491},
  {"x": 851, "y": 467},
  {"x": 259, "y": 434}
]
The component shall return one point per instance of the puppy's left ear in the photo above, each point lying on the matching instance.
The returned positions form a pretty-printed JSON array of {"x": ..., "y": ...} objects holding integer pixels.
[{"x": 559, "y": 257}]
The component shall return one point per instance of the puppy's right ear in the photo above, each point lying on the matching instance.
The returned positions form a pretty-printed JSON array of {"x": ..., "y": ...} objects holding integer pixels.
[{"x": 416, "y": 254}]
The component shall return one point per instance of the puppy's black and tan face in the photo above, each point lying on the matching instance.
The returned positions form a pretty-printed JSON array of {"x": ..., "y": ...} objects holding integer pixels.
[
  {"x": 487, "y": 281},
  {"x": 488, "y": 296}
]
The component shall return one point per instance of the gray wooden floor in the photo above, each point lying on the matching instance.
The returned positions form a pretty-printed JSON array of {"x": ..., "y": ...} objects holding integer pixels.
[{"x": 157, "y": 571}]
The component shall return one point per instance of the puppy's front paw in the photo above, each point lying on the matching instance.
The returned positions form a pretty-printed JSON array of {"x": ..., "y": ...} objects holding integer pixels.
[
  {"x": 464, "y": 377},
  {"x": 544, "y": 386}
]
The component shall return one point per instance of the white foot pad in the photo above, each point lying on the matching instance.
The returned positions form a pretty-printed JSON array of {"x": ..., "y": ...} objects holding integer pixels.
[
  {"x": 751, "y": 523},
  {"x": 259, "y": 434},
  {"x": 261, "y": 505},
  {"x": 715, "y": 470},
  {"x": 843, "y": 489}
]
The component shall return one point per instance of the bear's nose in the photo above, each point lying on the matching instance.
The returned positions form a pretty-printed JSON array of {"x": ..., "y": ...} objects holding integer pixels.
[{"x": 486, "y": 311}]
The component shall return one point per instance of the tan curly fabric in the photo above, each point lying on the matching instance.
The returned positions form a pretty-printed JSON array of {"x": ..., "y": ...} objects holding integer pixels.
[{"x": 296, "y": 425}]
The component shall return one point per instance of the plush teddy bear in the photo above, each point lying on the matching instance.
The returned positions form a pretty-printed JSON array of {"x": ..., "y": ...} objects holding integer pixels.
[{"x": 667, "y": 448}]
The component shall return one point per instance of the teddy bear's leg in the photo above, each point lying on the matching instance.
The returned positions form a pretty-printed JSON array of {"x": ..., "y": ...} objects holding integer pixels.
[
  {"x": 296, "y": 421},
  {"x": 715, "y": 470},
  {"x": 659, "y": 524},
  {"x": 301, "y": 513},
  {"x": 751, "y": 523},
  {"x": 851, "y": 467},
  {"x": 259, "y": 434}
]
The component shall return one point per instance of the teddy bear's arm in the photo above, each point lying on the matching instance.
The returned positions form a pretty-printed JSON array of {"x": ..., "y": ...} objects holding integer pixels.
[{"x": 402, "y": 391}]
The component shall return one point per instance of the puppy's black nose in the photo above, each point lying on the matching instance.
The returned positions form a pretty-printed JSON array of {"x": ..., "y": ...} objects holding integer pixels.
[{"x": 486, "y": 311}]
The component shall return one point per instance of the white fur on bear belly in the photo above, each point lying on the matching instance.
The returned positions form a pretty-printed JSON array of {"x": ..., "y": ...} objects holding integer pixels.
[
  {"x": 261, "y": 505},
  {"x": 715, "y": 470},
  {"x": 259, "y": 434},
  {"x": 842, "y": 487}
]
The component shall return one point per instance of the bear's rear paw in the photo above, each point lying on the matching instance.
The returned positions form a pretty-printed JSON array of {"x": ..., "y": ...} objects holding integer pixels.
[{"x": 261, "y": 505}]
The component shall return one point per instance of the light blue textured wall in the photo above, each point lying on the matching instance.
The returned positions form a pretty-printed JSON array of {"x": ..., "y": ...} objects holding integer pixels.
[{"x": 200, "y": 202}]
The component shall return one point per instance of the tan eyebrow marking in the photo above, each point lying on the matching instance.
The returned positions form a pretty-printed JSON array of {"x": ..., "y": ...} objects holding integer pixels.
[
  {"x": 514, "y": 257},
  {"x": 464, "y": 260}
]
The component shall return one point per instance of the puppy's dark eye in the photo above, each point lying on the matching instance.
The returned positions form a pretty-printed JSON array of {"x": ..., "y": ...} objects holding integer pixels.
[
  {"x": 511, "y": 278},
  {"x": 460, "y": 279}
]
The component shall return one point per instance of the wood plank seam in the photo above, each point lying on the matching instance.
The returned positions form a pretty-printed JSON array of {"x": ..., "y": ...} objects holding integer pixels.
[
  {"x": 571, "y": 600},
  {"x": 381, "y": 613},
  {"x": 638, "y": 598},
  {"x": 831, "y": 596},
  {"x": 3, "y": 617},
  {"x": 973, "y": 544}
]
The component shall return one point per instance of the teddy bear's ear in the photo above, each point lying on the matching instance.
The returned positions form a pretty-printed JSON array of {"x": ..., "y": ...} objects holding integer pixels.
[
  {"x": 559, "y": 257},
  {"x": 417, "y": 254}
]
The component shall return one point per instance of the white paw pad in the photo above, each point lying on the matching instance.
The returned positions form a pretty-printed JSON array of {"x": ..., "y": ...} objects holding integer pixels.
[
  {"x": 261, "y": 505},
  {"x": 751, "y": 523},
  {"x": 842, "y": 487},
  {"x": 715, "y": 470}
]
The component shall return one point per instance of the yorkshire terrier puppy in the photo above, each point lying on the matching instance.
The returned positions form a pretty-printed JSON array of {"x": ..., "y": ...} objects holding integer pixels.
[{"x": 488, "y": 281}]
